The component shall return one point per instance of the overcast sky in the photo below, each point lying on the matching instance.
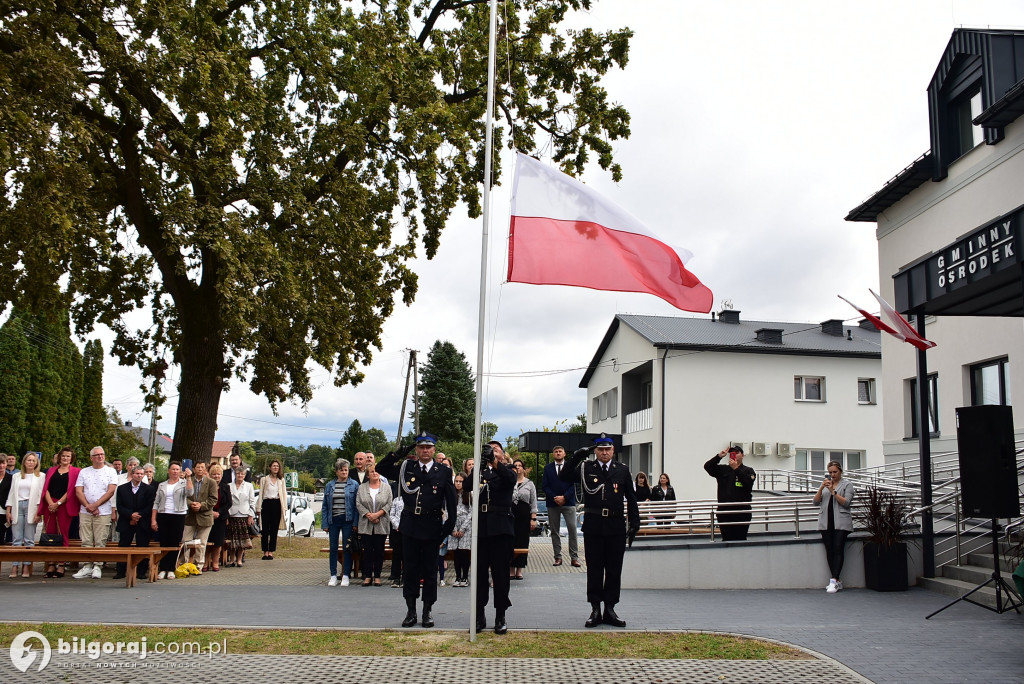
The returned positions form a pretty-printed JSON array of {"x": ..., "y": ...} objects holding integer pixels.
[{"x": 756, "y": 127}]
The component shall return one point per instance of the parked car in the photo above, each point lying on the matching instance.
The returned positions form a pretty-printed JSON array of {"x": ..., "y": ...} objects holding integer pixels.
[
  {"x": 299, "y": 518},
  {"x": 541, "y": 529}
]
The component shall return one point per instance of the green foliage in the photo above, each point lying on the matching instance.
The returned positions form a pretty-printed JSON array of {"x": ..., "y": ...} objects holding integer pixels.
[
  {"x": 378, "y": 443},
  {"x": 94, "y": 419},
  {"x": 579, "y": 426},
  {"x": 884, "y": 517},
  {"x": 458, "y": 452},
  {"x": 15, "y": 383},
  {"x": 239, "y": 170},
  {"x": 353, "y": 441},
  {"x": 487, "y": 432},
  {"x": 117, "y": 441},
  {"x": 306, "y": 483},
  {"x": 447, "y": 398}
]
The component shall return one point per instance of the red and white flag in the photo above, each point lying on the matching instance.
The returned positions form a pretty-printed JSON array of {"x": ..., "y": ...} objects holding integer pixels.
[
  {"x": 897, "y": 326},
  {"x": 564, "y": 233}
]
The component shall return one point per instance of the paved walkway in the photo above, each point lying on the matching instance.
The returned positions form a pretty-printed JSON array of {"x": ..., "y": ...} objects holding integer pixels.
[{"x": 853, "y": 636}]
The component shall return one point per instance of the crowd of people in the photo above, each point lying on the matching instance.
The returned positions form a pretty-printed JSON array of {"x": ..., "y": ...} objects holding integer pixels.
[{"x": 413, "y": 500}]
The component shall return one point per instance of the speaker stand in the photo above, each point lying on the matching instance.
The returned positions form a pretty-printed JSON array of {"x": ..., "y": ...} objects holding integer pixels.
[{"x": 995, "y": 580}]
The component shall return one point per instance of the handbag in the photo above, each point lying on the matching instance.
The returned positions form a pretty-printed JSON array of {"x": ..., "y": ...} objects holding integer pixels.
[
  {"x": 355, "y": 543},
  {"x": 254, "y": 529},
  {"x": 51, "y": 539}
]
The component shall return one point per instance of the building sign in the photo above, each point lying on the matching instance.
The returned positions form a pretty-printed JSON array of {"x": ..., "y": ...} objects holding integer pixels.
[
  {"x": 976, "y": 256},
  {"x": 977, "y": 275}
]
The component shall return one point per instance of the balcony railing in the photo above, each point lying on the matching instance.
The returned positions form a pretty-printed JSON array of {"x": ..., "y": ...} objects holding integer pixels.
[{"x": 640, "y": 420}]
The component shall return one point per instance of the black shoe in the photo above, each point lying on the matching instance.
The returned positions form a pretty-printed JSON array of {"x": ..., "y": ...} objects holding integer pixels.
[
  {"x": 595, "y": 616},
  {"x": 499, "y": 624},
  {"x": 481, "y": 622},
  {"x": 410, "y": 618},
  {"x": 119, "y": 575},
  {"x": 428, "y": 621},
  {"x": 610, "y": 618}
]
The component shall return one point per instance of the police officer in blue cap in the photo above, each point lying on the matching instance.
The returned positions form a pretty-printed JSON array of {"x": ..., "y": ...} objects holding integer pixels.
[
  {"x": 609, "y": 502},
  {"x": 427, "y": 492}
]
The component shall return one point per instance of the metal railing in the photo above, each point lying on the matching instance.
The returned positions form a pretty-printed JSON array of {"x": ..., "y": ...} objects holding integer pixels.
[
  {"x": 639, "y": 420},
  {"x": 782, "y": 515}
]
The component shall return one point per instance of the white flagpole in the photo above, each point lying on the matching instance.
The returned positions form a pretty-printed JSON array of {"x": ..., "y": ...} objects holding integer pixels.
[{"x": 477, "y": 440}]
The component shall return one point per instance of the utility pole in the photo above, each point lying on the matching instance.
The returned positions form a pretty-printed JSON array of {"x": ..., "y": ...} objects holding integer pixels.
[
  {"x": 415, "y": 395},
  {"x": 409, "y": 372},
  {"x": 157, "y": 372}
]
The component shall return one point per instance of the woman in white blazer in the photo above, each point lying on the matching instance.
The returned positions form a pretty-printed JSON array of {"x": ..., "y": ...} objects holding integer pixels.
[
  {"x": 373, "y": 504},
  {"x": 23, "y": 507}
]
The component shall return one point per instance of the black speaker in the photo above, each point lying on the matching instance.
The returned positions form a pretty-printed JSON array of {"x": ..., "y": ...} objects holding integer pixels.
[{"x": 988, "y": 462}]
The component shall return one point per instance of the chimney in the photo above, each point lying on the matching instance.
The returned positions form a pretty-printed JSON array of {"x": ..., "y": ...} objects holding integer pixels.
[
  {"x": 729, "y": 316},
  {"x": 769, "y": 335},
  {"x": 833, "y": 327},
  {"x": 866, "y": 324}
]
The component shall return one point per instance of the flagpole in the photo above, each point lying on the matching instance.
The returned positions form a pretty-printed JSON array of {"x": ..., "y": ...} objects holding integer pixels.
[{"x": 482, "y": 319}]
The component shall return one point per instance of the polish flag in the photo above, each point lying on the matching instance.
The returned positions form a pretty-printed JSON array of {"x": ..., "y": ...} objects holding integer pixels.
[
  {"x": 897, "y": 326},
  {"x": 564, "y": 233}
]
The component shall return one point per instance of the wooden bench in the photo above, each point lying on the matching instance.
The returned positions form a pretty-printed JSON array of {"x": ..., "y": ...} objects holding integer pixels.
[{"x": 76, "y": 553}]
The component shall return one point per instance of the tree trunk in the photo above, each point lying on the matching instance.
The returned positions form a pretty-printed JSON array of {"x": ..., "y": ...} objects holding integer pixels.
[{"x": 202, "y": 381}]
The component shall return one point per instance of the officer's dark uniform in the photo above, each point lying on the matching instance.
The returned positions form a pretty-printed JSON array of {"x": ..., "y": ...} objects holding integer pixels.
[
  {"x": 495, "y": 541},
  {"x": 735, "y": 490},
  {"x": 605, "y": 496},
  {"x": 425, "y": 493}
]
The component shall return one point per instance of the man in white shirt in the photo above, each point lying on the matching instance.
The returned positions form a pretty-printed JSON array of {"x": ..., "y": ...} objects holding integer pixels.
[{"x": 95, "y": 488}]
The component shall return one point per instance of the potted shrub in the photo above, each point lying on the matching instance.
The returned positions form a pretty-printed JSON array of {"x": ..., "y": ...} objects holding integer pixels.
[{"x": 885, "y": 548}]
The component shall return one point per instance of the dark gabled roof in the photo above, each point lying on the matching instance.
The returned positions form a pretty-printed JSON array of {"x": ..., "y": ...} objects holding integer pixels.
[
  {"x": 704, "y": 334},
  {"x": 898, "y": 187},
  {"x": 998, "y": 56}
]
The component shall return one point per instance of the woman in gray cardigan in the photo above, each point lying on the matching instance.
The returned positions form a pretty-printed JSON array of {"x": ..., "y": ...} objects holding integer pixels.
[
  {"x": 834, "y": 497},
  {"x": 373, "y": 503}
]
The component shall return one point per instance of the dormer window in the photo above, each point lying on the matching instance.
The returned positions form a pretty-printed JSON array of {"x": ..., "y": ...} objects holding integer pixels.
[{"x": 965, "y": 135}]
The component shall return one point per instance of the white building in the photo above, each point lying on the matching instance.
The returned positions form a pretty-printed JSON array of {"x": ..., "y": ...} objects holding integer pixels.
[
  {"x": 937, "y": 252},
  {"x": 681, "y": 389}
]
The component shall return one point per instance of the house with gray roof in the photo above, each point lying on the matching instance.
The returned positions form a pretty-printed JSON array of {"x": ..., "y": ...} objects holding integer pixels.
[{"x": 681, "y": 389}]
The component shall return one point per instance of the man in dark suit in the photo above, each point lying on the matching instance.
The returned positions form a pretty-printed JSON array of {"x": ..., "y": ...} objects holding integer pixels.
[
  {"x": 134, "y": 502},
  {"x": 427, "y": 492},
  {"x": 608, "y": 499},
  {"x": 495, "y": 538},
  {"x": 236, "y": 463},
  {"x": 561, "y": 500}
]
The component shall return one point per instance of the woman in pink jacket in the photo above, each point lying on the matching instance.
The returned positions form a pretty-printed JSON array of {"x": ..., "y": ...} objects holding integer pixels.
[{"x": 59, "y": 503}]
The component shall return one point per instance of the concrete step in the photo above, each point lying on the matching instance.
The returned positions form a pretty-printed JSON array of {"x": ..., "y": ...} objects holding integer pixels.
[
  {"x": 956, "y": 588},
  {"x": 972, "y": 574},
  {"x": 984, "y": 560}
]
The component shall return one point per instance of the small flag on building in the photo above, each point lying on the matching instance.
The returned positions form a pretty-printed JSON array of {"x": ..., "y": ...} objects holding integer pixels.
[
  {"x": 897, "y": 326},
  {"x": 564, "y": 233}
]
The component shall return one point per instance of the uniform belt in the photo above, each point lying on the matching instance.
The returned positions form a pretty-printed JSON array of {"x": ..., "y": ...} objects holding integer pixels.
[
  {"x": 491, "y": 508},
  {"x": 435, "y": 513},
  {"x": 611, "y": 512}
]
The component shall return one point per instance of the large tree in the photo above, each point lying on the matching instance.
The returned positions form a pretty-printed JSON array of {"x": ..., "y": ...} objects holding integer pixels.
[
  {"x": 15, "y": 383},
  {"x": 94, "y": 419},
  {"x": 239, "y": 168},
  {"x": 447, "y": 398}
]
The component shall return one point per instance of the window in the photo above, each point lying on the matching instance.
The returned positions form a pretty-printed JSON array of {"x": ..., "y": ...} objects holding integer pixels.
[
  {"x": 595, "y": 410},
  {"x": 613, "y": 402},
  {"x": 647, "y": 395},
  {"x": 866, "y": 391},
  {"x": 989, "y": 383},
  {"x": 605, "y": 405},
  {"x": 814, "y": 460},
  {"x": 966, "y": 136},
  {"x": 808, "y": 388},
  {"x": 933, "y": 406}
]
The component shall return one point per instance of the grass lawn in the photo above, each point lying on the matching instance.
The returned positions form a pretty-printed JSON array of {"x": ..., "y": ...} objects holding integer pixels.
[
  {"x": 298, "y": 547},
  {"x": 634, "y": 645}
]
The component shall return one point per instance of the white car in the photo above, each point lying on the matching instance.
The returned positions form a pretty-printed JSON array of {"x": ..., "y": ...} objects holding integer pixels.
[{"x": 299, "y": 518}]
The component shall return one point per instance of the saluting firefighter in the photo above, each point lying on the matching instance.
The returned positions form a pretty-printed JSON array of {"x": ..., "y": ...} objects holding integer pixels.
[
  {"x": 495, "y": 539},
  {"x": 607, "y": 491},
  {"x": 427, "y": 492}
]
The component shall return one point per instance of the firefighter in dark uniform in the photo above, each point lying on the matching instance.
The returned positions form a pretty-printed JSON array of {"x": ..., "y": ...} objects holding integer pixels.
[
  {"x": 735, "y": 490},
  {"x": 427, "y": 492},
  {"x": 495, "y": 538},
  {"x": 607, "y": 491}
]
